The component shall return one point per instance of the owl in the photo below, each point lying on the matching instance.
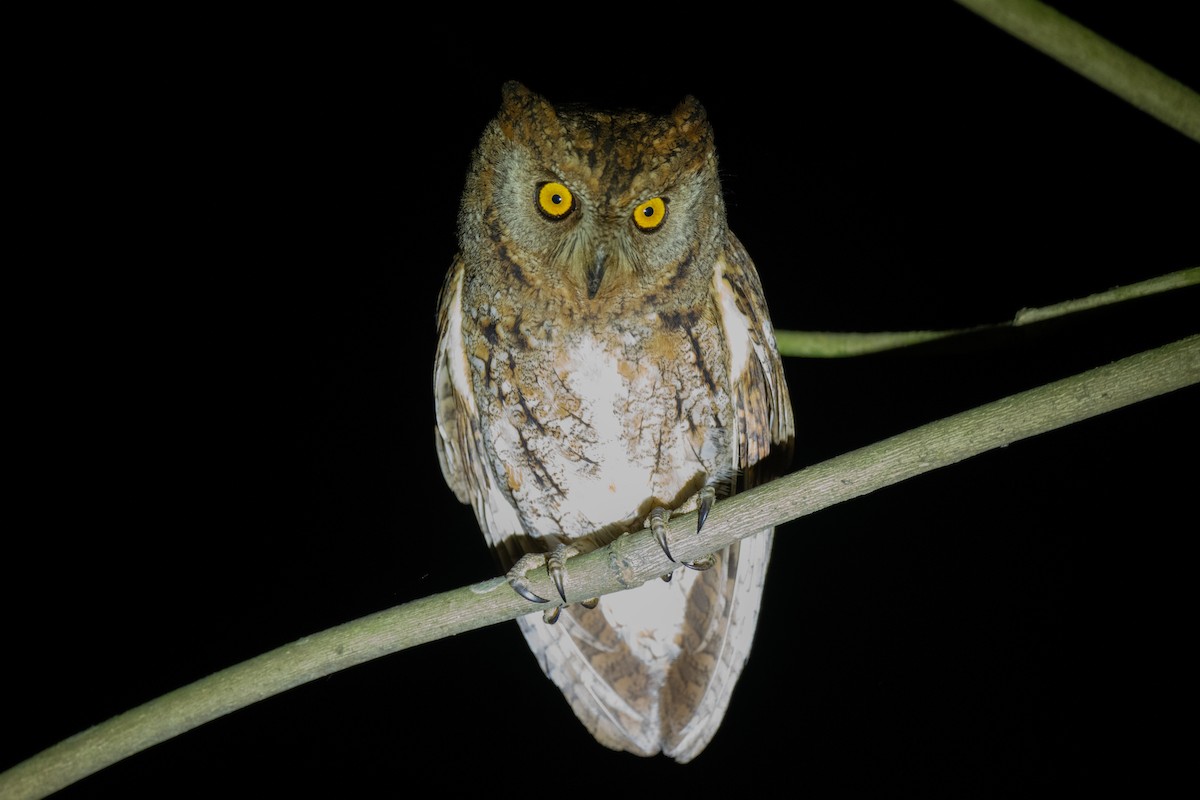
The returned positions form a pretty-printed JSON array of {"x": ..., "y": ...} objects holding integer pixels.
[{"x": 606, "y": 361}]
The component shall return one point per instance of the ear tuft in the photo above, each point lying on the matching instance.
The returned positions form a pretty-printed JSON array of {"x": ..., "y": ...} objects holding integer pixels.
[
  {"x": 688, "y": 114},
  {"x": 522, "y": 111}
]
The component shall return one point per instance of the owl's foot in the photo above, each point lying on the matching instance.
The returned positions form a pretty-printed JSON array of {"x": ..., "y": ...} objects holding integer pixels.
[
  {"x": 516, "y": 576},
  {"x": 555, "y": 564},
  {"x": 708, "y": 495},
  {"x": 658, "y": 526}
]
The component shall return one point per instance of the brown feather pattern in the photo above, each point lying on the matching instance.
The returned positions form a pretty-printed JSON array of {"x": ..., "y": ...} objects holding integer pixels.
[{"x": 572, "y": 400}]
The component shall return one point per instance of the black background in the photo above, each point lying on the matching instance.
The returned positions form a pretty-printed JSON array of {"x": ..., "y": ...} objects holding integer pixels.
[{"x": 223, "y": 435}]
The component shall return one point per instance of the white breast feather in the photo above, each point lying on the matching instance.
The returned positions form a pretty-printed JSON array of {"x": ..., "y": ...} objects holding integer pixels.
[{"x": 614, "y": 491}]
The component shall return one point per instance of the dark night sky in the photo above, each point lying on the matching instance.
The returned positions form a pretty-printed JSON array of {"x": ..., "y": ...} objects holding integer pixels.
[{"x": 225, "y": 435}]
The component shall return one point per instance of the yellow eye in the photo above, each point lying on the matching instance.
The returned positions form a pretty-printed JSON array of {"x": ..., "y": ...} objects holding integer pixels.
[
  {"x": 650, "y": 214},
  {"x": 555, "y": 200}
]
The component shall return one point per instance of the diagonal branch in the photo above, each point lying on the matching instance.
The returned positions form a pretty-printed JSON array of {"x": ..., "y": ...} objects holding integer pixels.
[
  {"x": 627, "y": 562},
  {"x": 1096, "y": 59}
]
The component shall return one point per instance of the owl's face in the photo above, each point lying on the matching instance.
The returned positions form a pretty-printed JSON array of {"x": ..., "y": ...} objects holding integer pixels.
[{"x": 590, "y": 208}]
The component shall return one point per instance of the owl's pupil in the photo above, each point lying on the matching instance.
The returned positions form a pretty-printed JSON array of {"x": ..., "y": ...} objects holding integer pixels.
[
  {"x": 648, "y": 211},
  {"x": 556, "y": 199}
]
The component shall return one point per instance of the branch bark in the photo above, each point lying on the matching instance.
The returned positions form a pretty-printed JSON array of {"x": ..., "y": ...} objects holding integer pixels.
[{"x": 627, "y": 562}]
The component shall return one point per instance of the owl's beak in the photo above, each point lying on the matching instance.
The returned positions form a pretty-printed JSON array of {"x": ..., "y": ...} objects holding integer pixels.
[{"x": 596, "y": 272}]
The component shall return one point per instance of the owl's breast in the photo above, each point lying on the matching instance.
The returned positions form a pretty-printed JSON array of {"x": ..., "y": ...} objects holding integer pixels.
[{"x": 588, "y": 430}]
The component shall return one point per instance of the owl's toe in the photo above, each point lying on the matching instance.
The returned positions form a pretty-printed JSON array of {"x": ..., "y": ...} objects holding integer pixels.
[
  {"x": 556, "y": 567},
  {"x": 521, "y": 587},
  {"x": 658, "y": 526},
  {"x": 555, "y": 564},
  {"x": 701, "y": 564},
  {"x": 516, "y": 576}
]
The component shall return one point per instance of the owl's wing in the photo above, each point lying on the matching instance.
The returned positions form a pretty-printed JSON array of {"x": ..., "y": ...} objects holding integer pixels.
[
  {"x": 653, "y": 668},
  {"x": 455, "y": 404},
  {"x": 763, "y": 410},
  {"x": 722, "y": 614},
  {"x": 459, "y": 440}
]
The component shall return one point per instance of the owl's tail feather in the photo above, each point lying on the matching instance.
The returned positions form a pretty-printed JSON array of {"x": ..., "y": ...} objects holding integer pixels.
[{"x": 652, "y": 668}]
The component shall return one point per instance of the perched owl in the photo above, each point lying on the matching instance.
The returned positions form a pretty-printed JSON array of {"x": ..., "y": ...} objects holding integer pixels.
[{"x": 605, "y": 360}]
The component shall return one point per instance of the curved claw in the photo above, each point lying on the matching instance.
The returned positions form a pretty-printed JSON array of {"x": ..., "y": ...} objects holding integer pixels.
[
  {"x": 658, "y": 525},
  {"x": 556, "y": 572},
  {"x": 701, "y": 564},
  {"x": 661, "y": 537},
  {"x": 707, "y": 495},
  {"x": 525, "y": 592},
  {"x": 516, "y": 577},
  {"x": 550, "y": 615},
  {"x": 591, "y": 602},
  {"x": 667, "y": 578}
]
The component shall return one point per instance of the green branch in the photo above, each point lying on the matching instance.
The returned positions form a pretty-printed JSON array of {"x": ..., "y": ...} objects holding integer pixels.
[
  {"x": 1096, "y": 59},
  {"x": 627, "y": 562},
  {"x": 827, "y": 344}
]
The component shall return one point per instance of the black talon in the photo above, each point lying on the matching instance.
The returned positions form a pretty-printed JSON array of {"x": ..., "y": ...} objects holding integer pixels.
[
  {"x": 666, "y": 578},
  {"x": 554, "y": 565},
  {"x": 526, "y": 593},
  {"x": 701, "y": 564},
  {"x": 659, "y": 528},
  {"x": 706, "y": 501},
  {"x": 661, "y": 536},
  {"x": 550, "y": 615},
  {"x": 556, "y": 572},
  {"x": 591, "y": 602}
]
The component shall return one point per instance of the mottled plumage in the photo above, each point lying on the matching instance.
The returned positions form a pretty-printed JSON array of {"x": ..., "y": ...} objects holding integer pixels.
[{"x": 605, "y": 350}]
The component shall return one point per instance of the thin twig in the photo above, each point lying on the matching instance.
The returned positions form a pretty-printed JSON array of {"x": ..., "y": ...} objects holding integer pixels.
[
  {"x": 828, "y": 344},
  {"x": 627, "y": 562}
]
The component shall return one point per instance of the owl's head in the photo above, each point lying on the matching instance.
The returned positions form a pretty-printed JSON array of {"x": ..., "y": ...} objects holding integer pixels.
[{"x": 592, "y": 207}]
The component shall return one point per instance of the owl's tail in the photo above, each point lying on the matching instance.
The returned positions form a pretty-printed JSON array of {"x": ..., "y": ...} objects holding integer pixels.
[{"x": 651, "y": 669}]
